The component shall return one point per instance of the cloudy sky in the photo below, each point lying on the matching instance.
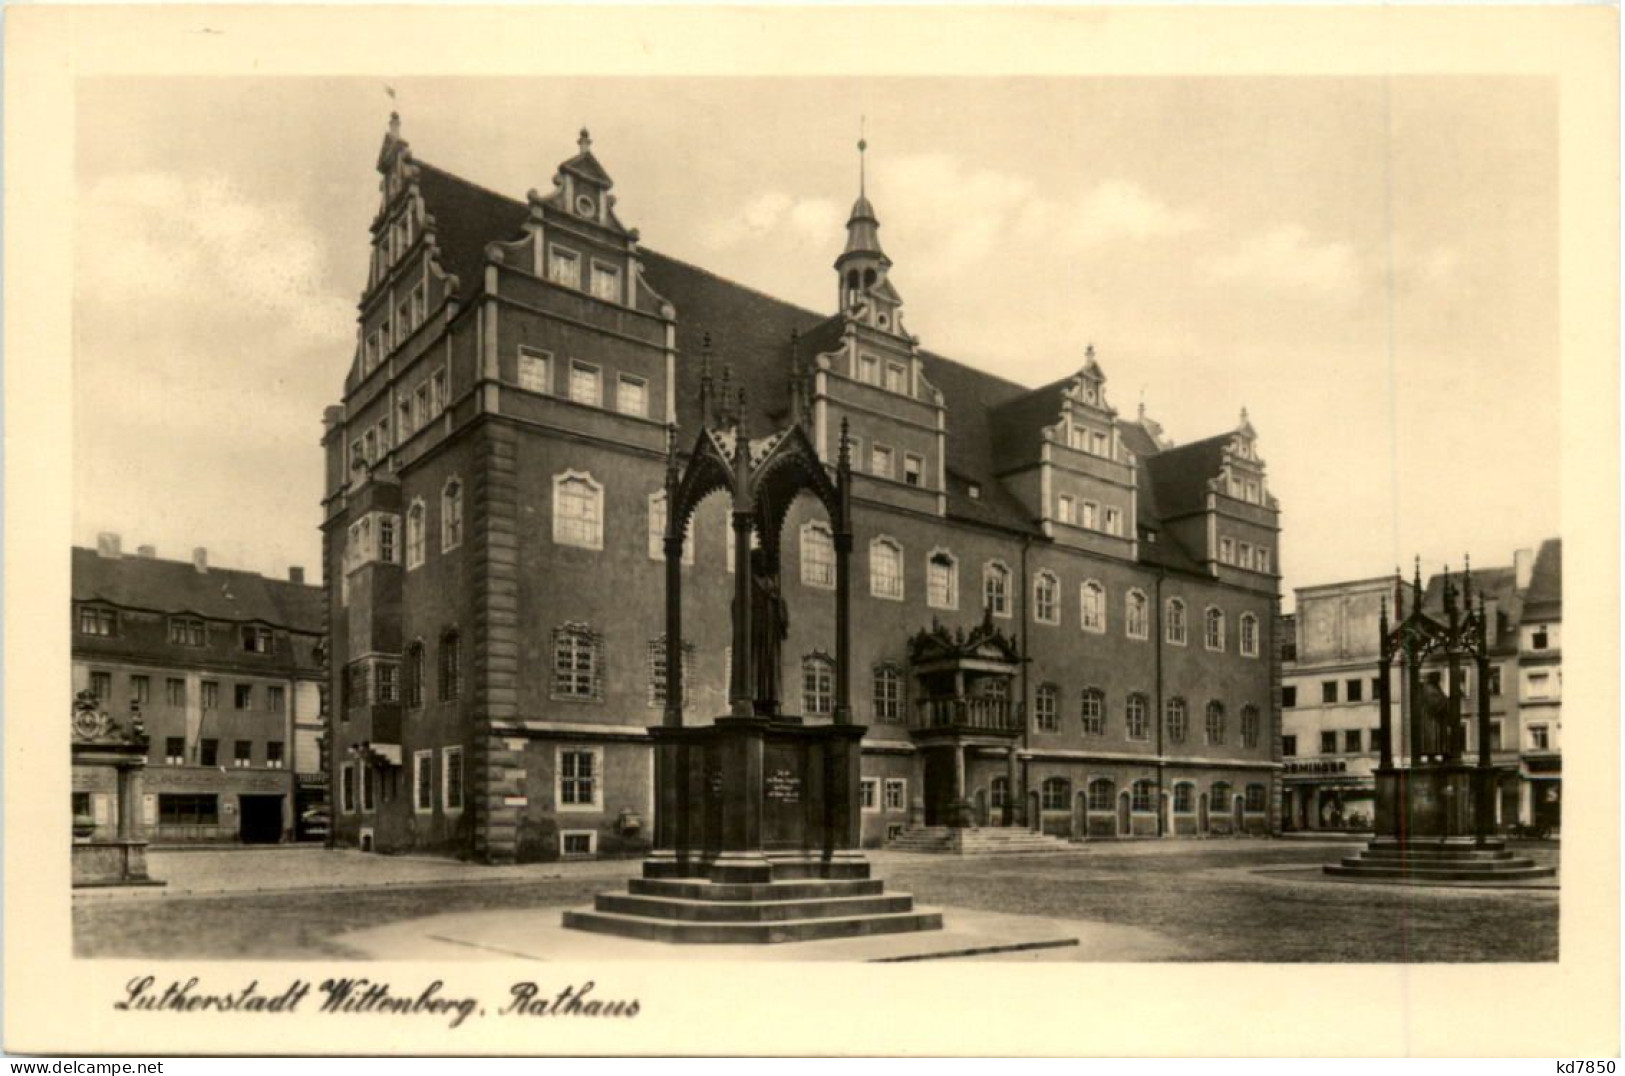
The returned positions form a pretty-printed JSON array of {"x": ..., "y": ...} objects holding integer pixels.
[{"x": 1369, "y": 266}]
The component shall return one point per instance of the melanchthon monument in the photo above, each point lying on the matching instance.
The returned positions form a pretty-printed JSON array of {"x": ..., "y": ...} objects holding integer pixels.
[
  {"x": 1435, "y": 814},
  {"x": 756, "y": 815}
]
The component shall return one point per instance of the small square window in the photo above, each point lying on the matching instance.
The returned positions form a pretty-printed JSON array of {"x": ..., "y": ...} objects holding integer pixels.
[
  {"x": 1328, "y": 743},
  {"x": 1328, "y": 691},
  {"x": 632, "y": 396},
  {"x": 606, "y": 282},
  {"x": 584, "y": 388},
  {"x": 535, "y": 370},
  {"x": 1354, "y": 690},
  {"x": 1352, "y": 741},
  {"x": 244, "y": 696},
  {"x": 574, "y": 843}
]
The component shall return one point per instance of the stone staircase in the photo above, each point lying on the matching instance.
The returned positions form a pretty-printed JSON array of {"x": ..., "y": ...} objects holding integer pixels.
[
  {"x": 1424, "y": 862},
  {"x": 977, "y": 841}
]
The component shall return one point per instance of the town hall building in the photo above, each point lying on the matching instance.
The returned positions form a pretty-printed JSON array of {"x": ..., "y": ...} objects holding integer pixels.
[{"x": 1061, "y": 620}]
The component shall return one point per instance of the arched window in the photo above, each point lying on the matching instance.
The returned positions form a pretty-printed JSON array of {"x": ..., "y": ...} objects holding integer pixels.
[
  {"x": 817, "y": 555},
  {"x": 817, "y": 685},
  {"x": 1249, "y": 726},
  {"x": 451, "y": 515},
  {"x": 996, "y": 588},
  {"x": 1055, "y": 794},
  {"x": 888, "y": 693},
  {"x": 1134, "y": 613},
  {"x": 1185, "y": 798},
  {"x": 451, "y": 665},
  {"x": 1215, "y": 722},
  {"x": 886, "y": 569},
  {"x": 415, "y": 529},
  {"x": 1178, "y": 719},
  {"x": 578, "y": 663},
  {"x": 413, "y": 688},
  {"x": 1213, "y": 636},
  {"x": 998, "y": 792},
  {"x": 1102, "y": 794},
  {"x": 1249, "y": 635},
  {"x": 1174, "y": 622},
  {"x": 941, "y": 580},
  {"x": 1257, "y": 801},
  {"x": 578, "y": 511},
  {"x": 1139, "y": 726},
  {"x": 1046, "y": 709},
  {"x": 1218, "y": 799},
  {"x": 1092, "y": 598},
  {"x": 657, "y": 530},
  {"x": 1143, "y": 796},
  {"x": 1093, "y": 712},
  {"x": 1046, "y": 598}
]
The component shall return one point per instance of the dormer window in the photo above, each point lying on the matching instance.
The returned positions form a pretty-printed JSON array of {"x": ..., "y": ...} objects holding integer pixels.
[
  {"x": 913, "y": 470},
  {"x": 94, "y": 620},
  {"x": 257, "y": 640},
  {"x": 1098, "y": 443},
  {"x": 869, "y": 369},
  {"x": 564, "y": 267},
  {"x": 1077, "y": 437}
]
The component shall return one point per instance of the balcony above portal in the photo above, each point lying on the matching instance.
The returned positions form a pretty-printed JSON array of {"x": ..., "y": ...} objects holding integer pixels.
[{"x": 963, "y": 681}]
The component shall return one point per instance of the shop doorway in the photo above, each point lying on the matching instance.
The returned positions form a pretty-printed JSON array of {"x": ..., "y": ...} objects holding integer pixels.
[{"x": 261, "y": 819}]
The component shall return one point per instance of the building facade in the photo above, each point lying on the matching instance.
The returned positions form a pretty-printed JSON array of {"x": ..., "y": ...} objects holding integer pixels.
[
  {"x": 494, "y": 513},
  {"x": 1329, "y": 743},
  {"x": 225, "y": 669}
]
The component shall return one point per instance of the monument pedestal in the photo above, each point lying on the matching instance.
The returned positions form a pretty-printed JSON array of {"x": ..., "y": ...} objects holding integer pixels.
[
  {"x": 1427, "y": 831},
  {"x": 756, "y": 841}
]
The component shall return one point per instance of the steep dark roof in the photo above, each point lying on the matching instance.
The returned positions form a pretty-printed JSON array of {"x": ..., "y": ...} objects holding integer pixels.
[
  {"x": 1497, "y": 584},
  {"x": 751, "y": 332},
  {"x": 1544, "y": 598},
  {"x": 169, "y": 586},
  {"x": 1014, "y": 422},
  {"x": 1180, "y": 475},
  {"x": 466, "y": 218}
]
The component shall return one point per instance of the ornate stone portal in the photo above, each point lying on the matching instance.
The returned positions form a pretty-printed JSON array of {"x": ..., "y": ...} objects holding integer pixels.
[
  {"x": 108, "y": 753},
  {"x": 1436, "y": 815},
  {"x": 757, "y": 815}
]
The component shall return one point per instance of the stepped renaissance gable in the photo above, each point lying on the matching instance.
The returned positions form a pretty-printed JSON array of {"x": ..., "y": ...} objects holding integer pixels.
[{"x": 495, "y": 510}]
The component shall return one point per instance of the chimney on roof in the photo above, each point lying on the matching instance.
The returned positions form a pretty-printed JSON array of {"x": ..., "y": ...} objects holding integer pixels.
[
  {"x": 200, "y": 559},
  {"x": 147, "y": 551},
  {"x": 107, "y": 544},
  {"x": 296, "y": 574},
  {"x": 1523, "y": 567}
]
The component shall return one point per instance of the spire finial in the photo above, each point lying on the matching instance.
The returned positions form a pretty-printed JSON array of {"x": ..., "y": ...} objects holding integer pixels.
[
  {"x": 863, "y": 146},
  {"x": 844, "y": 460},
  {"x": 1244, "y": 414},
  {"x": 394, "y": 118},
  {"x": 585, "y": 141}
]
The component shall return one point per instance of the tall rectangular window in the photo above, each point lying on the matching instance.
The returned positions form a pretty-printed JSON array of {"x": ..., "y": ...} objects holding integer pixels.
[
  {"x": 1064, "y": 510},
  {"x": 174, "y": 751},
  {"x": 101, "y": 685},
  {"x": 386, "y": 539},
  {"x": 186, "y": 631},
  {"x": 817, "y": 556},
  {"x": 243, "y": 696},
  {"x": 211, "y": 695},
  {"x": 451, "y": 766},
  {"x": 913, "y": 469},
  {"x": 1352, "y": 741},
  {"x": 896, "y": 378},
  {"x": 273, "y": 754},
  {"x": 423, "y": 780},
  {"x": 941, "y": 582},
  {"x": 578, "y": 778},
  {"x": 576, "y": 673},
  {"x": 175, "y": 691},
  {"x": 868, "y": 369},
  {"x": 888, "y": 693},
  {"x": 140, "y": 689},
  {"x": 242, "y": 755},
  {"x": 208, "y": 752},
  {"x": 1328, "y": 743},
  {"x": 1328, "y": 691},
  {"x": 437, "y": 392}
]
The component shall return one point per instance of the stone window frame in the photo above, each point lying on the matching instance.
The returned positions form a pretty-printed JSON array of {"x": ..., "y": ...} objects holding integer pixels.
[
  {"x": 447, "y": 754},
  {"x": 1055, "y": 783},
  {"x": 815, "y": 663},
  {"x": 918, "y": 468},
  {"x": 1140, "y": 699},
  {"x": 1213, "y": 628},
  {"x": 889, "y": 672},
  {"x": 1247, "y": 798},
  {"x": 557, "y": 255},
  {"x": 1213, "y": 724},
  {"x": 596, "y": 777},
  {"x": 422, "y": 763},
  {"x": 1052, "y": 693},
  {"x": 1175, "y": 623},
  {"x": 875, "y": 591},
  {"x": 1177, "y": 731},
  {"x": 451, "y": 513},
  {"x": 541, "y": 357},
  {"x": 1213, "y": 795},
  {"x": 584, "y": 640},
  {"x": 1249, "y": 627},
  {"x": 1101, "y": 614},
  {"x": 890, "y": 472},
  {"x": 348, "y": 800},
  {"x": 584, "y": 367},
  {"x": 449, "y": 686},
  {"x": 1042, "y": 576},
  {"x": 1092, "y": 720},
  {"x": 952, "y": 579},
  {"x": 621, "y": 383},
  {"x": 417, "y": 533},
  {"x": 595, "y": 495},
  {"x": 997, "y": 571},
  {"x": 1135, "y": 799},
  {"x": 1190, "y": 787},
  {"x": 655, "y": 654},
  {"x": 808, "y": 563},
  {"x": 597, "y": 266},
  {"x": 565, "y": 835},
  {"x": 1251, "y": 726},
  {"x": 869, "y": 795},
  {"x": 1092, "y": 802},
  {"x": 1134, "y": 600},
  {"x": 888, "y": 785}
]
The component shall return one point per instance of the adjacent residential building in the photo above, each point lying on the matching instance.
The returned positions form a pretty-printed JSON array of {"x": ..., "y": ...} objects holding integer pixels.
[
  {"x": 1330, "y": 716},
  {"x": 225, "y": 669},
  {"x": 495, "y": 506}
]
